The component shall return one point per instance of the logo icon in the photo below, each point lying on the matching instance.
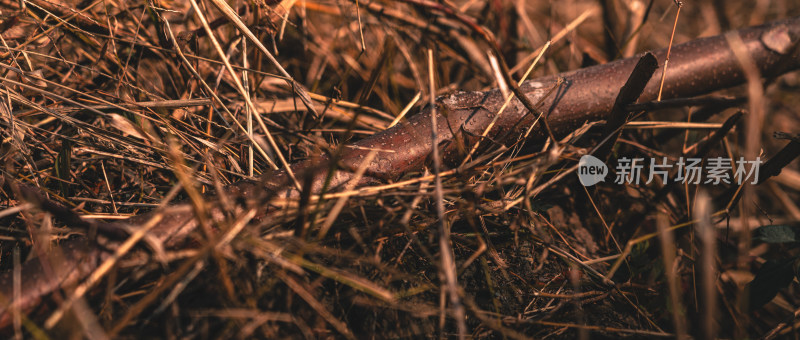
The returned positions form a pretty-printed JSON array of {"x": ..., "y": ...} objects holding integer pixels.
[{"x": 591, "y": 170}]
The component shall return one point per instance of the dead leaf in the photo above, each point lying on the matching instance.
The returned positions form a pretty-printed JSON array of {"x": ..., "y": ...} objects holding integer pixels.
[{"x": 124, "y": 125}]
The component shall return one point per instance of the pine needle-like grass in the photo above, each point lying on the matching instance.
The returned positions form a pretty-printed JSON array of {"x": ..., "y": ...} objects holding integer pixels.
[{"x": 116, "y": 108}]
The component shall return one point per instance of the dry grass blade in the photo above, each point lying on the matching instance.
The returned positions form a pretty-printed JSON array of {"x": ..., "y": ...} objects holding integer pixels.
[
  {"x": 666, "y": 61},
  {"x": 752, "y": 136},
  {"x": 447, "y": 261},
  {"x": 670, "y": 264},
  {"x": 708, "y": 273}
]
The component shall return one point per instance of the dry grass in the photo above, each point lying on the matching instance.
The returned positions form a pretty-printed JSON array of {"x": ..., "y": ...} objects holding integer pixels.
[{"x": 101, "y": 111}]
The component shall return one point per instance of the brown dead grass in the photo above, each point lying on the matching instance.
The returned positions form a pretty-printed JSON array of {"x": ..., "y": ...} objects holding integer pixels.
[{"x": 526, "y": 265}]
